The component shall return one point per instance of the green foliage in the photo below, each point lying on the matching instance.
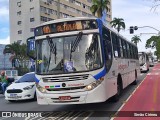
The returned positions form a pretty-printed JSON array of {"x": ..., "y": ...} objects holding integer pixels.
[
  {"x": 135, "y": 39},
  {"x": 19, "y": 52},
  {"x": 98, "y": 5},
  {"x": 154, "y": 42},
  {"x": 118, "y": 24}
]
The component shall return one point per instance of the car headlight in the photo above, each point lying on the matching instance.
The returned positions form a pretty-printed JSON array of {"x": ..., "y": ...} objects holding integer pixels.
[
  {"x": 94, "y": 84},
  {"x": 28, "y": 87},
  {"x": 40, "y": 88}
]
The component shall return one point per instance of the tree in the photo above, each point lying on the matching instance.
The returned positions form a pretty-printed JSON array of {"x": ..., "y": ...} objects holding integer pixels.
[
  {"x": 18, "y": 52},
  {"x": 98, "y": 6},
  {"x": 118, "y": 23},
  {"x": 154, "y": 42},
  {"x": 135, "y": 39},
  {"x": 155, "y": 5}
]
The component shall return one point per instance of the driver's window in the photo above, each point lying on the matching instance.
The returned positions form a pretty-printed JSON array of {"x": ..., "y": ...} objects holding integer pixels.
[{"x": 107, "y": 47}]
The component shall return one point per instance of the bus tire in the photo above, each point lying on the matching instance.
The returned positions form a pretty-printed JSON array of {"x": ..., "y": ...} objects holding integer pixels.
[
  {"x": 135, "y": 81},
  {"x": 116, "y": 97}
]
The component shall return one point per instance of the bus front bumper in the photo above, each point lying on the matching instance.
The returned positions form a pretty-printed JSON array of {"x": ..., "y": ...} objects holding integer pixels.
[{"x": 93, "y": 96}]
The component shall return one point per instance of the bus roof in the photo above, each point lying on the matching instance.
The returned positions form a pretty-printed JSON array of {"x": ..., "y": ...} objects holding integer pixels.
[{"x": 68, "y": 19}]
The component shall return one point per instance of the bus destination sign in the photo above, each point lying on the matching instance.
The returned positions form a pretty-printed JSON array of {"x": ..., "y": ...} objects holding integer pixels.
[{"x": 66, "y": 27}]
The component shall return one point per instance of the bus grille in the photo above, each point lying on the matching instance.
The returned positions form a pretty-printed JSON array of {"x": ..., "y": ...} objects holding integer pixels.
[
  {"x": 65, "y": 78},
  {"x": 64, "y": 89}
]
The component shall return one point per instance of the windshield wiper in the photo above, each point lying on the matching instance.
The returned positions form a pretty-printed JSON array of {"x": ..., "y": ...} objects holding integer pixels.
[
  {"x": 75, "y": 43},
  {"x": 53, "y": 47}
]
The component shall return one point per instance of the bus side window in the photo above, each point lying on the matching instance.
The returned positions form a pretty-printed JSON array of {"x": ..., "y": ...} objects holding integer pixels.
[
  {"x": 116, "y": 45},
  {"x": 124, "y": 49},
  {"x": 107, "y": 47},
  {"x": 131, "y": 52},
  {"x": 128, "y": 50},
  {"x": 121, "y": 47}
]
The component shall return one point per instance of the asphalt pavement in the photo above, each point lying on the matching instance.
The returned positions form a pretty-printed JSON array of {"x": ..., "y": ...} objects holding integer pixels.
[{"x": 144, "y": 103}]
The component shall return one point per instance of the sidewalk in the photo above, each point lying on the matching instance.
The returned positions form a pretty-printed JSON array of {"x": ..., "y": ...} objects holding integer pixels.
[{"x": 144, "y": 103}]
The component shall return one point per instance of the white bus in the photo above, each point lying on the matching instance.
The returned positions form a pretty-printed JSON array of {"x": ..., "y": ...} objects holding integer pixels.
[
  {"x": 143, "y": 61},
  {"x": 80, "y": 60}
]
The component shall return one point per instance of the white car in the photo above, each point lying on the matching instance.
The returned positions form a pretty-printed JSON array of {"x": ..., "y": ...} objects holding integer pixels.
[{"x": 22, "y": 89}]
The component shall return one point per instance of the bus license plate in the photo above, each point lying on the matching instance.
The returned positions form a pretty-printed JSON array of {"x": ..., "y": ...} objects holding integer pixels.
[{"x": 64, "y": 98}]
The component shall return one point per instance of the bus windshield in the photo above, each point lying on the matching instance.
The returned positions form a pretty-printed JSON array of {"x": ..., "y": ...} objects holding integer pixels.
[{"x": 68, "y": 54}]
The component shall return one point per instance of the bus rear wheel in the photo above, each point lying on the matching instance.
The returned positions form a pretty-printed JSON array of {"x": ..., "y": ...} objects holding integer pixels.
[{"x": 135, "y": 81}]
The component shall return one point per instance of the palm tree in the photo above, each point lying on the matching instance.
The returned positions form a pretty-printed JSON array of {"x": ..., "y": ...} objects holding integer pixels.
[
  {"x": 98, "y": 6},
  {"x": 118, "y": 23},
  {"x": 135, "y": 39}
]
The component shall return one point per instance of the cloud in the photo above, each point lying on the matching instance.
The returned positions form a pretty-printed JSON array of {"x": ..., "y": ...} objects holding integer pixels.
[{"x": 5, "y": 40}]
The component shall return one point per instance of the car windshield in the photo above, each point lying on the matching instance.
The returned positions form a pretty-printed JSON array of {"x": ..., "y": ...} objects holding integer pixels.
[
  {"x": 68, "y": 54},
  {"x": 26, "y": 78}
]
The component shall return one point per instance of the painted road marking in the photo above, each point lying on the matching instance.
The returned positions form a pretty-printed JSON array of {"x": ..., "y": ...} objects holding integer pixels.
[
  {"x": 78, "y": 116},
  {"x": 64, "y": 116},
  {"x": 157, "y": 73},
  {"x": 112, "y": 118},
  {"x": 155, "y": 91},
  {"x": 88, "y": 116}
]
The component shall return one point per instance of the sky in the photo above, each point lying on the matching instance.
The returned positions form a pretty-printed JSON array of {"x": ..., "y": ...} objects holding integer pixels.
[
  {"x": 134, "y": 12},
  {"x": 138, "y": 13}
]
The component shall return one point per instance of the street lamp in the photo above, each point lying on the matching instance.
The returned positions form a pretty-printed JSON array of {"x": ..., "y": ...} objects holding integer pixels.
[
  {"x": 132, "y": 28},
  {"x": 147, "y": 33}
]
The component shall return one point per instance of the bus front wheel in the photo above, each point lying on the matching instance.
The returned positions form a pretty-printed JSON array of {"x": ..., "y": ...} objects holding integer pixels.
[{"x": 116, "y": 97}]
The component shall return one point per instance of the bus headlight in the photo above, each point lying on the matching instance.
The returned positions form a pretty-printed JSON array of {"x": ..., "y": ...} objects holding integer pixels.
[
  {"x": 40, "y": 88},
  {"x": 94, "y": 84}
]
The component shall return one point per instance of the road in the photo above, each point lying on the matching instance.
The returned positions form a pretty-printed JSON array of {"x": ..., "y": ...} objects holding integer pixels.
[
  {"x": 145, "y": 101},
  {"x": 102, "y": 111}
]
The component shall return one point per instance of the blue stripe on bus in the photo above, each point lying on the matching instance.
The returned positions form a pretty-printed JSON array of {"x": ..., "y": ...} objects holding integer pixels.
[
  {"x": 100, "y": 74},
  {"x": 37, "y": 80},
  {"x": 100, "y": 27}
]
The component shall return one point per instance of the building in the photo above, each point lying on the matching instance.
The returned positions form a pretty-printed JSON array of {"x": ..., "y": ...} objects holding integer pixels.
[{"x": 27, "y": 14}]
